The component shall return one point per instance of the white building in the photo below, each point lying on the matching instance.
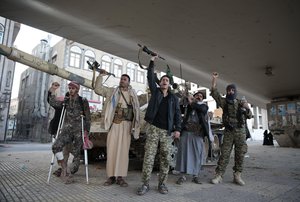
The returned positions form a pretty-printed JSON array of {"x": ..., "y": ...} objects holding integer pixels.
[{"x": 8, "y": 32}]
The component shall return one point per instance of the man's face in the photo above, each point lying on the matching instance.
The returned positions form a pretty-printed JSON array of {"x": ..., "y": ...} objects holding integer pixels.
[
  {"x": 198, "y": 97},
  {"x": 164, "y": 83},
  {"x": 231, "y": 91},
  {"x": 124, "y": 82},
  {"x": 72, "y": 90}
]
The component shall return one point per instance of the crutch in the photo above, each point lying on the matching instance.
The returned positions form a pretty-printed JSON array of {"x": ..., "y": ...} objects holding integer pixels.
[
  {"x": 85, "y": 152},
  {"x": 60, "y": 124}
]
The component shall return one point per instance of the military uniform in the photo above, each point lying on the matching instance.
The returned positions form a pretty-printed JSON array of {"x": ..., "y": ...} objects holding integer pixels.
[
  {"x": 157, "y": 136},
  {"x": 234, "y": 119},
  {"x": 71, "y": 129}
]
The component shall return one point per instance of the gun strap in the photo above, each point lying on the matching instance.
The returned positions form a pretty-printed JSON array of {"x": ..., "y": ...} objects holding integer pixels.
[
  {"x": 124, "y": 97},
  {"x": 140, "y": 64}
]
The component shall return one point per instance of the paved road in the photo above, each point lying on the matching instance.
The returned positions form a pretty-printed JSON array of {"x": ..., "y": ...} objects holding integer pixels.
[
  {"x": 24, "y": 147},
  {"x": 271, "y": 174}
]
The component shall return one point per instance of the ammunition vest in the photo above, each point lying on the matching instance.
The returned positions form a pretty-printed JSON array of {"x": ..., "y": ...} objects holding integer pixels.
[{"x": 233, "y": 116}]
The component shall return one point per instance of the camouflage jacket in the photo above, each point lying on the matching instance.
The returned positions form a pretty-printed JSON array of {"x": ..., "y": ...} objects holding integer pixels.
[
  {"x": 74, "y": 110},
  {"x": 234, "y": 115}
]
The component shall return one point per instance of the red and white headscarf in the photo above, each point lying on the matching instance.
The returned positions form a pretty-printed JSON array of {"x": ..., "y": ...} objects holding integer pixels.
[{"x": 74, "y": 84}]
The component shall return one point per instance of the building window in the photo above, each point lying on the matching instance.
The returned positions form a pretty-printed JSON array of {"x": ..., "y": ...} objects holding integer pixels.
[
  {"x": 130, "y": 70},
  {"x": 1, "y": 33},
  {"x": 87, "y": 93},
  {"x": 53, "y": 59},
  {"x": 88, "y": 56},
  {"x": 140, "y": 77},
  {"x": 75, "y": 56},
  {"x": 118, "y": 68},
  {"x": 8, "y": 79},
  {"x": 106, "y": 62}
]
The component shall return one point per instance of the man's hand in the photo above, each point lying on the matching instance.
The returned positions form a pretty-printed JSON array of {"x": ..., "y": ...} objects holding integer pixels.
[
  {"x": 215, "y": 75},
  {"x": 246, "y": 105},
  {"x": 191, "y": 99},
  {"x": 154, "y": 57},
  {"x": 55, "y": 85},
  {"x": 176, "y": 134},
  {"x": 103, "y": 72}
]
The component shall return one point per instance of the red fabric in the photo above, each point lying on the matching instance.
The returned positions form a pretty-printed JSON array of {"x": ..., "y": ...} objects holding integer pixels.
[{"x": 87, "y": 144}]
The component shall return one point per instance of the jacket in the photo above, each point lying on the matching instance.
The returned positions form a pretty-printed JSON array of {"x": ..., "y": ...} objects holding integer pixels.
[
  {"x": 174, "y": 114},
  {"x": 234, "y": 115}
]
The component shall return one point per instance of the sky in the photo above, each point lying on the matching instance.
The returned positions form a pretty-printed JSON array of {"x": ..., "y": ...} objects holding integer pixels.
[{"x": 26, "y": 40}]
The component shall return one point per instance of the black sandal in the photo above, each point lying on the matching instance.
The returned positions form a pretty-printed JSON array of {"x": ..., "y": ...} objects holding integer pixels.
[
  {"x": 110, "y": 181},
  {"x": 181, "y": 180},
  {"x": 121, "y": 182},
  {"x": 196, "y": 180}
]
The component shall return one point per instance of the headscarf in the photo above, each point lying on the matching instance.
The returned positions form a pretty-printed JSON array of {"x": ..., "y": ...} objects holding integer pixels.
[
  {"x": 74, "y": 84},
  {"x": 231, "y": 97}
]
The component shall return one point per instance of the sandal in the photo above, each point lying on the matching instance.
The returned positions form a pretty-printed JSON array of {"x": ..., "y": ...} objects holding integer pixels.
[
  {"x": 57, "y": 173},
  {"x": 69, "y": 180},
  {"x": 196, "y": 180},
  {"x": 110, "y": 181},
  {"x": 121, "y": 182},
  {"x": 143, "y": 189},
  {"x": 163, "y": 189},
  {"x": 181, "y": 180}
]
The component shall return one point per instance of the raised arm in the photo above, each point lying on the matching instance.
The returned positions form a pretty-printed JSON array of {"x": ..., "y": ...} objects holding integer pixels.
[
  {"x": 100, "y": 89},
  {"x": 151, "y": 76},
  {"x": 52, "y": 98},
  {"x": 214, "y": 92}
]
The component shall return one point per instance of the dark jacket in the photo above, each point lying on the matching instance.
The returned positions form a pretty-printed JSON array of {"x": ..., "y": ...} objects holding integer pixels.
[
  {"x": 174, "y": 115},
  {"x": 53, "y": 126},
  {"x": 201, "y": 110}
]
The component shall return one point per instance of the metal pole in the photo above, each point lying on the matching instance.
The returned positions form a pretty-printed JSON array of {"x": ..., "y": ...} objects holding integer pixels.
[
  {"x": 60, "y": 125},
  {"x": 85, "y": 152}
]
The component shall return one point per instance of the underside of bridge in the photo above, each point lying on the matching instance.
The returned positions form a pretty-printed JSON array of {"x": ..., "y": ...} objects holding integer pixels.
[{"x": 253, "y": 43}]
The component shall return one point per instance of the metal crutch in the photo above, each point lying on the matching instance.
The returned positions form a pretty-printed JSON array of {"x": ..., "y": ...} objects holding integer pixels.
[
  {"x": 85, "y": 152},
  {"x": 60, "y": 124}
]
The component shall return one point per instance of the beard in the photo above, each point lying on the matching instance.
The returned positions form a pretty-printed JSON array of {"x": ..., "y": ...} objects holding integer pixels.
[{"x": 230, "y": 97}]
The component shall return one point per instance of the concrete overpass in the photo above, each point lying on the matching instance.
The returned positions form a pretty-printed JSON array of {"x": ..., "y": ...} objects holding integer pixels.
[{"x": 253, "y": 43}]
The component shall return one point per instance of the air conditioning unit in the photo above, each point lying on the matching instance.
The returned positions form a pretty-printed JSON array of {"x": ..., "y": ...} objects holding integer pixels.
[{"x": 1, "y": 106}]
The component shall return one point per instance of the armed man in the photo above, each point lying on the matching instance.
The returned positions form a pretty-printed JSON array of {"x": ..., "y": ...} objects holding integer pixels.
[
  {"x": 235, "y": 112},
  {"x": 163, "y": 115},
  {"x": 121, "y": 119},
  {"x": 71, "y": 131}
]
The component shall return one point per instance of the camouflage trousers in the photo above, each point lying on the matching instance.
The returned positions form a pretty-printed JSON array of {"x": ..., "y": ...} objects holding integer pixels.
[
  {"x": 65, "y": 138},
  {"x": 157, "y": 136},
  {"x": 236, "y": 138}
]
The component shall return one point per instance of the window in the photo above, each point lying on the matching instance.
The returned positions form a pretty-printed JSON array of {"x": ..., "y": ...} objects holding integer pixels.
[
  {"x": 140, "y": 77},
  {"x": 88, "y": 56},
  {"x": 131, "y": 71},
  {"x": 8, "y": 79},
  {"x": 118, "y": 68},
  {"x": 53, "y": 59},
  {"x": 1, "y": 33},
  {"x": 75, "y": 56},
  {"x": 106, "y": 62},
  {"x": 87, "y": 93}
]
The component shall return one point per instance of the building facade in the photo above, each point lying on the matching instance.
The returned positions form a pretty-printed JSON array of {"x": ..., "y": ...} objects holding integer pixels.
[
  {"x": 34, "y": 112},
  {"x": 8, "y": 33}
]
